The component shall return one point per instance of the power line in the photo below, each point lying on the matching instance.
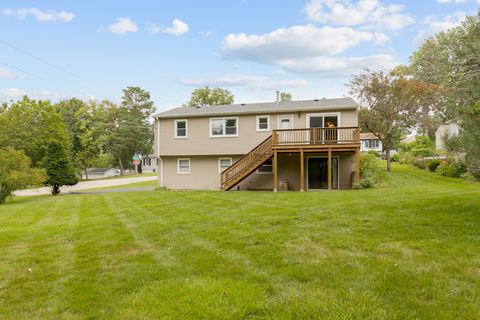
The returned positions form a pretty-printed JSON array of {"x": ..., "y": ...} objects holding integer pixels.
[
  {"x": 40, "y": 77},
  {"x": 39, "y": 59},
  {"x": 21, "y": 70}
]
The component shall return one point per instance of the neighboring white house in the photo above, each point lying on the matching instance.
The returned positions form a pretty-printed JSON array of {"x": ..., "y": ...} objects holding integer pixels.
[
  {"x": 99, "y": 173},
  {"x": 368, "y": 142},
  {"x": 149, "y": 163},
  {"x": 449, "y": 129}
]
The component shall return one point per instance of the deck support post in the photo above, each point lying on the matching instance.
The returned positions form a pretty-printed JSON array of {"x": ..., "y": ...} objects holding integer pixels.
[
  {"x": 275, "y": 171},
  {"x": 357, "y": 164},
  {"x": 329, "y": 169},
  {"x": 302, "y": 171}
]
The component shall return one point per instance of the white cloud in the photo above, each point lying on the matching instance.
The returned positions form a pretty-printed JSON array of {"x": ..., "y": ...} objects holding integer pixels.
[
  {"x": 6, "y": 74},
  {"x": 237, "y": 80},
  {"x": 8, "y": 12},
  {"x": 308, "y": 49},
  {"x": 366, "y": 13},
  {"x": 339, "y": 66},
  {"x": 12, "y": 93},
  {"x": 178, "y": 28},
  {"x": 452, "y": 1},
  {"x": 285, "y": 84},
  {"x": 41, "y": 16},
  {"x": 206, "y": 34},
  {"x": 48, "y": 95},
  {"x": 242, "y": 80},
  {"x": 123, "y": 25},
  {"x": 434, "y": 25},
  {"x": 296, "y": 42},
  {"x": 153, "y": 28}
]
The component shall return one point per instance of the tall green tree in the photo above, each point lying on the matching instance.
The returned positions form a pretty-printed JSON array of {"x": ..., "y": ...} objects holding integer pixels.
[
  {"x": 105, "y": 117},
  {"x": 127, "y": 127},
  {"x": 30, "y": 125},
  {"x": 451, "y": 59},
  {"x": 59, "y": 168},
  {"x": 207, "y": 96},
  {"x": 390, "y": 104},
  {"x": 16, "y": 172},
  {"x": 78, "y": 118}
]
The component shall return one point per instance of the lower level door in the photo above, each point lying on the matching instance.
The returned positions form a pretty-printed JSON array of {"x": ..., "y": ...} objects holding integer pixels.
[{"x": 318, "y": 173}]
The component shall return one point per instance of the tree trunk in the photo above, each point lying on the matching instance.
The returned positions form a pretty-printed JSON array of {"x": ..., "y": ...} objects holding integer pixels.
[
  {"x": 55, "y": 189},
  {"x": 121, "y": 165},
  {"x": 389, "y": 161},
  {"x": 86, "y": 174}
]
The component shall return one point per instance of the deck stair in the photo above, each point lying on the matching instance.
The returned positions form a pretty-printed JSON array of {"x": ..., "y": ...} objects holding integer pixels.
[{"x": 247, "y": 164}]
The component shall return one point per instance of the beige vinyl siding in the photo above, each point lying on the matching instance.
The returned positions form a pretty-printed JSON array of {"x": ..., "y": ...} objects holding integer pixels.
[
  {"x": 204, "y": 172},
  {"x": 199, "y": 141}
]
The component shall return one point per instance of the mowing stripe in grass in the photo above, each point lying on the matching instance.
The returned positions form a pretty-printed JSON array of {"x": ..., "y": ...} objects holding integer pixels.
[
  {"x": 161, "y": 254},
  {"x": 96, "y": 240},
  {"x": 36, "y": 268},
  {"x": 408, "y": 250}
]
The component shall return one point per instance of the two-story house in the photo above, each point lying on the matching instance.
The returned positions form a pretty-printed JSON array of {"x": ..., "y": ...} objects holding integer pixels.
[{"x": 295, "y": 145}]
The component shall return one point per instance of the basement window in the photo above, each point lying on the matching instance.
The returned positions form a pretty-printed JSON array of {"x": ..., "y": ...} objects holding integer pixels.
[
  {"x": 183, "y": 166},
  {"x": 266, "y": 168},
  {"x": 224, "y": 163}
]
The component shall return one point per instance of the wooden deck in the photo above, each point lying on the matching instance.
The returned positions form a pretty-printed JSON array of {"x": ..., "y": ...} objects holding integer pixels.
[{"x": 328, "y": 140}]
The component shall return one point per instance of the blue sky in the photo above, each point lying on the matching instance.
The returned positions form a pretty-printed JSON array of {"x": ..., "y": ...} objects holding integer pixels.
[{"x": 310, "y": 48}]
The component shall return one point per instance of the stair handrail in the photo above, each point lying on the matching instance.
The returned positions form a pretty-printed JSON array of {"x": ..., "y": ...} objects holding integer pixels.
[{"x": 256, "y": 154}]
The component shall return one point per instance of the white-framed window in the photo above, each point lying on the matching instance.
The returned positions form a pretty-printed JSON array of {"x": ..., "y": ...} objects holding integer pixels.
[
  {"x": 224, "y": 163},
  {"x": 266, "y": 168},
  {"x": 224, "y": 127},
  {"x": 183, "y": 165},
  {"x": 263, "y": 123},
  {"x": 322, "y": 120},
  {"x": 181, "y": 128},
  {"x": 372, "y": 144}
]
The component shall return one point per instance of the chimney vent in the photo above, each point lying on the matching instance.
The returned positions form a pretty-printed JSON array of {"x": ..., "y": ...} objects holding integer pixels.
[{"x": 277, "y": 101}]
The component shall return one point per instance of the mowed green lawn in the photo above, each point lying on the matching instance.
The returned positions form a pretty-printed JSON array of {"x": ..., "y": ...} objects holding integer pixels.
[{"x": 408, "y": 250}]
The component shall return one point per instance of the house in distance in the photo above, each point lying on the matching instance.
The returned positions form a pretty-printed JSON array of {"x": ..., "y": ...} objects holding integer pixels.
[
  {"x": 370, "y": 142},
  {"x": 294, "y": 145}
]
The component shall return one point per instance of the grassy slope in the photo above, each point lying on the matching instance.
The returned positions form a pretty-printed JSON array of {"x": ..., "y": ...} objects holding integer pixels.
[{"x": 406, "y": 251}]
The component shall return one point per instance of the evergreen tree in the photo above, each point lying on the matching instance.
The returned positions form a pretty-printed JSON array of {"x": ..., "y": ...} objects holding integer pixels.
[
  {"x": 60, "y": 171},
  {"x": 129, "y": 127}
]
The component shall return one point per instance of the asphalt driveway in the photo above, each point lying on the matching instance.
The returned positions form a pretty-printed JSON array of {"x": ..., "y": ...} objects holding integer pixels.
[{"x": 84, "y": 185}]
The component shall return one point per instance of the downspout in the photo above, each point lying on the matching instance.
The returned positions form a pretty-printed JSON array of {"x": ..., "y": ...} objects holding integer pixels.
[
  {"x": 161, "y": 172},
  {"x": 160, "y": 161}
]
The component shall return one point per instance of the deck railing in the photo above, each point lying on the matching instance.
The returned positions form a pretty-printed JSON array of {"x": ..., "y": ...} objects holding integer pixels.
[{"x": 316, "y": 136}]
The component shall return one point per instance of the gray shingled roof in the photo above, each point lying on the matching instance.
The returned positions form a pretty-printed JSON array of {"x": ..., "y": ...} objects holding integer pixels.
[{"x": 255, "y": 108}]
